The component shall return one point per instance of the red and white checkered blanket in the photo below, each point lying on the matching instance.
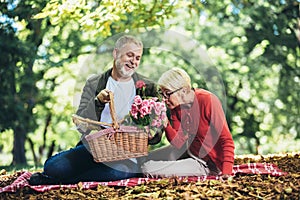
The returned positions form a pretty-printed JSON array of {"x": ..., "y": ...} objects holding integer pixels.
[{"x": 250, "y": 168}]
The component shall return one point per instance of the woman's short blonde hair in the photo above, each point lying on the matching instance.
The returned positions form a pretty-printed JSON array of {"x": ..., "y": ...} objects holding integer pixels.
[{"x": 174, "y": 78}]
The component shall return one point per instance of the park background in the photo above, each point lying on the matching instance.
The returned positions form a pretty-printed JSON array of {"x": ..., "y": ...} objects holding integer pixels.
[{"x": 49, "y": 48}]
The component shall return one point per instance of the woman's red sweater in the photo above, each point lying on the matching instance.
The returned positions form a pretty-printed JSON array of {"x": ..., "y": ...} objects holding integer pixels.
[{"x": 203, "y": 125}]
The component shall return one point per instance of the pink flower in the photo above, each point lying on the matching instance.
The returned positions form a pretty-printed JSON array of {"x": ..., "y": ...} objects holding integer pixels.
[
  {"x": 148, "y": 112},
  {"x": 145, "y": 110},
  {"x": 146, "y": 103},
  {"x": 152, "y": 103},
  {"x": 156, "y": 123},
  {"x": 163, "y": 116},
  {"x": 138, "y": 100},
  {"x": 154, "y": 98},
  {"x": 134, "y": 110},
  {"x": 140, "y": 84},
  {"x": 159, "y": 107}
]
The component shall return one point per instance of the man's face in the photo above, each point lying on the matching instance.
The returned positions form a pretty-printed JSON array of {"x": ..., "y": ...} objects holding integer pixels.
[{"x": 128, "y": 59}]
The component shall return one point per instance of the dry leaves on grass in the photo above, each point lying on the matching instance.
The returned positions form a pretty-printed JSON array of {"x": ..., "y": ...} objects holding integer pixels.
[{"x": 239, "y": 187}]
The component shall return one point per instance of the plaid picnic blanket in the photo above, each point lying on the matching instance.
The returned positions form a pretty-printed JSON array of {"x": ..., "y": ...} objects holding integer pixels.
[{"x": 250, "y": 168}]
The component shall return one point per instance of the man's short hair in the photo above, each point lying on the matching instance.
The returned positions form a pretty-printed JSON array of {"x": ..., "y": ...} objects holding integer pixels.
[{"x": 125, "y": 39}]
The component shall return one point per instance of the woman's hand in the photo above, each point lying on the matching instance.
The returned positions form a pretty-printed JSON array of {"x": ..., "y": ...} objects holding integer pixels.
[{"x": 165, "y": 122}]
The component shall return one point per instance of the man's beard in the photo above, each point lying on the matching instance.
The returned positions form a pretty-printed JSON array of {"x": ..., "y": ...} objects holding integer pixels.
[{"x": 122, "y": 71}]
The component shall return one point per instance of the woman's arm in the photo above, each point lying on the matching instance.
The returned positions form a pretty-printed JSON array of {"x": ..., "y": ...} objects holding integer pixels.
[{"x": 174, "y": 132}]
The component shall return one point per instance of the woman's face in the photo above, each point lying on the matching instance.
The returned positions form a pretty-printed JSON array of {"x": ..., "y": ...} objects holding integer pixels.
[{"x": 172, "y": 98}]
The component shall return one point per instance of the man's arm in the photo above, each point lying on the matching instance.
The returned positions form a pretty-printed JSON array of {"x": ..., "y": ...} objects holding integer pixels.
[{"x": 90, "y": 107}]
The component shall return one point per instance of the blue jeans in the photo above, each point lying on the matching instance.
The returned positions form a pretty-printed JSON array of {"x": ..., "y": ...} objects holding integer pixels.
[{"x": 77, "y": 164}]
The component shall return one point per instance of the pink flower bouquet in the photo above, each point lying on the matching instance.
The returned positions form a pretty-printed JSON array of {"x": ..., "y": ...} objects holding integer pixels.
[{"x": 148, "y": 112}]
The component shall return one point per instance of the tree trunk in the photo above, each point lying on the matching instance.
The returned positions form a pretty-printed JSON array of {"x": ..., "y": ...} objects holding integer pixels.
[
  {"x": 28, "y": 93},
  {"x": 19, "y": 157}
]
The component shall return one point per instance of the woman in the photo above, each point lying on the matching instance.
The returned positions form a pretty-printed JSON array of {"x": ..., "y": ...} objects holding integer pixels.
[{"x": 198, "y": 132}]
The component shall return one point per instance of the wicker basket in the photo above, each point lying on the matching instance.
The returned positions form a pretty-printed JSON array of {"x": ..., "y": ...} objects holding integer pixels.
[{"x": 116, "y": 142}]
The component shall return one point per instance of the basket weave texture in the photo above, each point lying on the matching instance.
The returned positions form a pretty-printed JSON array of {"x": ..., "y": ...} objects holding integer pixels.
[{"x": 114, "y": 143}]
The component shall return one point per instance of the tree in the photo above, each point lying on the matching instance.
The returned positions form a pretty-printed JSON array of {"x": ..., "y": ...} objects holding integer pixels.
[{"x": 20, "y": 92}]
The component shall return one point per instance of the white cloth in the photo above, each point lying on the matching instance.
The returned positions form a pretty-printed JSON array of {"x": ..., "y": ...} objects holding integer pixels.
[
  {"x": 184, "y": 167},
  {"x": 124, "y": 93}
]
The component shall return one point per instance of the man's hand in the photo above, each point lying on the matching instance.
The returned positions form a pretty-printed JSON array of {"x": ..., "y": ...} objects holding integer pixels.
[{"x": 103, "y": 96}]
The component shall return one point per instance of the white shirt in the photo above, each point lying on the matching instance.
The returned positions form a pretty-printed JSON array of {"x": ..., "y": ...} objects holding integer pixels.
[{"x": 124, "y": 93}]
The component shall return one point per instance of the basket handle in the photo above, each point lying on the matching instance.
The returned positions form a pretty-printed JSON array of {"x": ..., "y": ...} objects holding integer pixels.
[{"x": 115, "y": 124}]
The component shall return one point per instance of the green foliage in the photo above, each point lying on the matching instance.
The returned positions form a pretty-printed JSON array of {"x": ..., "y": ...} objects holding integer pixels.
[{"x": 105, "y": 18}]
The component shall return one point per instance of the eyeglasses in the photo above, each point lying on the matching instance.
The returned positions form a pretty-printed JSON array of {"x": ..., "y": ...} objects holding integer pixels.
[{"x": 167, "y": 94}]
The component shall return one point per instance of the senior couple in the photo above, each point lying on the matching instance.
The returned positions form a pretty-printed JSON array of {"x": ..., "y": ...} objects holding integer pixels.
[{"x": 200, "y": 140}]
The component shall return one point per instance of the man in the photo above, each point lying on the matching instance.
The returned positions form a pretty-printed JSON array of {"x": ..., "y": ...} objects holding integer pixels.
[{"x": 77, "y": 164}]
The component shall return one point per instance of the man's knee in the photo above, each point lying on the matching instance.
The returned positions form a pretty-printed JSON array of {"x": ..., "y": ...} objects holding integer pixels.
[{"x": 57, "y": 167}]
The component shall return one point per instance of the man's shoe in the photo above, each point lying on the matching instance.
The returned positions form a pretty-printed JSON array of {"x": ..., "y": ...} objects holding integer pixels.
[{"x": 41, "y": 179}]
